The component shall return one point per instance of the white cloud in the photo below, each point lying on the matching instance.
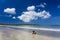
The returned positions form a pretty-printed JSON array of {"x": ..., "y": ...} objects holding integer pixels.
[
  {"x": 10, "y": 10},
  {"x": 33, "y": 15},
  {"x": 31, "y": 8},
  {"x": 44, "y": 14},
  {"x": 27, "y": 16}
]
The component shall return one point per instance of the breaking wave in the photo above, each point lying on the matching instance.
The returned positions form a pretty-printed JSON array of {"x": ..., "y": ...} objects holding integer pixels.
[{"x": 35, "y": 28}]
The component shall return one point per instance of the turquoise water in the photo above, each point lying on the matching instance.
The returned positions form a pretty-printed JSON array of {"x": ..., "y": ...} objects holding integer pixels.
[{"x": 50, "y": 26}]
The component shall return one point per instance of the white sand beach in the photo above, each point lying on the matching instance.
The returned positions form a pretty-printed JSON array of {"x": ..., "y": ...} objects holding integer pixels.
[{"x": 23, "y": 35}]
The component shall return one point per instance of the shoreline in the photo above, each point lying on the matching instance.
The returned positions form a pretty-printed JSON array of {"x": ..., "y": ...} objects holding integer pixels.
[{"x": 13, "y": 34}]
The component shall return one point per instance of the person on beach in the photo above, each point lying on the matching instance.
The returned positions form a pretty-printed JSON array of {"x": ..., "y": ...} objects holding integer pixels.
[{"x": 33, "y": 32}]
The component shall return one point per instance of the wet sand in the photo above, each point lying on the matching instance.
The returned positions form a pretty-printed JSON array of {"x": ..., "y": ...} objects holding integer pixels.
[{"x": 13, "y": 34}]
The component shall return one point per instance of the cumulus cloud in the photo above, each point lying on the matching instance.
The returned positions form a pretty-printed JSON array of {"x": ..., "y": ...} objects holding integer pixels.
[
  {"x": 27, "y": 16},
  {"x": 10, "y": 10},
  {"x": 31, "y": 8},
  {"x": 33, "y": 15},
  {"x": 44, "y": 14}
]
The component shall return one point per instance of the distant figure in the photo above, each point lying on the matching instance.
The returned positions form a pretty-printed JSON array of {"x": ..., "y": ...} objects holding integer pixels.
[{"x": 33, "y": 32}]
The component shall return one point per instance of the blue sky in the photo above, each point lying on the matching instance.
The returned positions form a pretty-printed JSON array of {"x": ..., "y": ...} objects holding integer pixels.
[{"x": 42, "y": 12}]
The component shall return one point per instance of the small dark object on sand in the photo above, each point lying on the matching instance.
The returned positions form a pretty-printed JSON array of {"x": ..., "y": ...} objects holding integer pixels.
[{"x": 33, "y": 32}]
